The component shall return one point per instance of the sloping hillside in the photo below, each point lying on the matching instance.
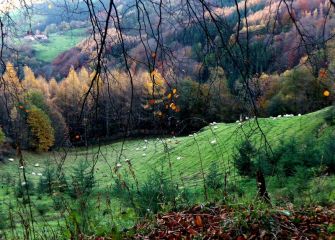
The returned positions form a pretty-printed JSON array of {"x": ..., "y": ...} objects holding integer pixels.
[
  {"x": 216, "y": 142},
  {"x": 185, "y": 160}
]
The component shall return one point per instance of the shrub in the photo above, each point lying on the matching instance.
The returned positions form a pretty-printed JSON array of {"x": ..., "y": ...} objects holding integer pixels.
[
  {"x": 120, "y": 189},
  {"x": 156, "y": 193},
  {"x": 243, "y": 158},
  {"x": 266, "y": 161},
  {"x": 8, "y": 183},
  {"x": 42, "y": 208},
  {"x": 58, "y": 203},
  {"x": 295, "y": 188},
  {"x": 214, "y": 178},
  {"x": 51, "y": 182},
  {"x": 234, "y": 189},
  {"x": 294, "y": 155},
  {"x": 322, "y": 191},
  {"x": 328, "y": 158},
  {"x": 309, "y": 154},
  {"x": 46, "y": 182},
  {"x": 330, "y": 116},
  {"x": 3, "y": 222},
  {"x": 82, "y": 180},
  {"x": 61, "y": 184},
  {"x": 83, "y": 211},
  {"x": 23, "y": 187},
  {"x": 286, "y": 158},
  {"x": 185, "y": 197}
]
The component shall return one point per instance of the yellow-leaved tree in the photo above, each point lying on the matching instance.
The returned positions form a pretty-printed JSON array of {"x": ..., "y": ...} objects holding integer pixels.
[
  {"x": 70, "y": 92},
  {"x": 155, "y": 84},
  {"x": 12, "y": 86},
  {"x": 2, "y": 136},
  {"x": 70, "y": 100},
  {"x": 31, "y": 83},
  {"x": 154, "y": 89},
  {"x": 11, "y": 97},
  {"x": 84, "y": 76},
  {"x": 53, "y": 88},
  {"x": 41, "y": 129},
  {"x": 29, "y": 80},
  {"x": 69, "y": 96}
]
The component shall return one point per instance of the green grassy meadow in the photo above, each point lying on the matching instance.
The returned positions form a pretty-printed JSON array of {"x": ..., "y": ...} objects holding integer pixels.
[
  {"x": 47, "y": 52},
  {"x": 182, "y": 159}
]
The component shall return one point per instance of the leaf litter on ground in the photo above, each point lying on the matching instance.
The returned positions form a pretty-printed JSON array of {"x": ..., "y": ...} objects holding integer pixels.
[{"x": 241, "y": 223}]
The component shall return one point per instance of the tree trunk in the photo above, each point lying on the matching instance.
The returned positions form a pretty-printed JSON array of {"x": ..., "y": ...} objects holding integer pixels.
[{"x": 262, "y": 191}]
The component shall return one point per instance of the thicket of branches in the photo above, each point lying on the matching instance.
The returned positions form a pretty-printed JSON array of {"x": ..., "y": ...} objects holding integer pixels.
[{"x": 129, "y": 90}]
